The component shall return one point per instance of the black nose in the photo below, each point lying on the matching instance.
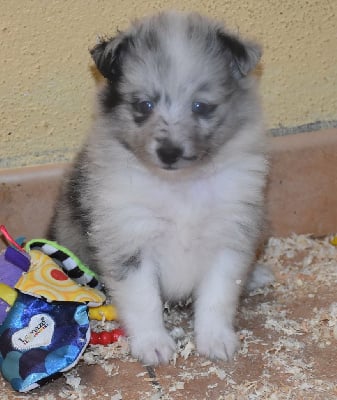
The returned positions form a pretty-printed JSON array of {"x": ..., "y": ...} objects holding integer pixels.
[{"x": 168, "y": 153}]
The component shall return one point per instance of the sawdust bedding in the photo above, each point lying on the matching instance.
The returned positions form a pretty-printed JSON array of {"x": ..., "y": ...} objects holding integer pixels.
[{"x": 288, "y": 334}]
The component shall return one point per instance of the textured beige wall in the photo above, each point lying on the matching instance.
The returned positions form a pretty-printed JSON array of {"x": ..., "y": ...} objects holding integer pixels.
[{"x": 47, "y": 88}]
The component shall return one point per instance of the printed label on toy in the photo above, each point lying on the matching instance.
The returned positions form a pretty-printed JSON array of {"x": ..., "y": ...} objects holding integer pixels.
[{"x": 38, "y": 333}]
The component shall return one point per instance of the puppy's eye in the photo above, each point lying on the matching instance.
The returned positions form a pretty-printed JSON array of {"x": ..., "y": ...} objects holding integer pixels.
[
  {"x": 144, "y": 107},
  {"x": 202, "y": 109}
]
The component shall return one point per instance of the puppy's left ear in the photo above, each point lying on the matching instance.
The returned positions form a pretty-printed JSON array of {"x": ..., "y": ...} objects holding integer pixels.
[
  {"x": 243, "y": 55},
  {"x": 108, "y": 55}
]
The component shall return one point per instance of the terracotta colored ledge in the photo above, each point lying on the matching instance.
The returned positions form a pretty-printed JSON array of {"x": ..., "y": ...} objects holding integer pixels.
[
  {"x": 301, "y": 196},
  {"x": 301, "y": 193}
]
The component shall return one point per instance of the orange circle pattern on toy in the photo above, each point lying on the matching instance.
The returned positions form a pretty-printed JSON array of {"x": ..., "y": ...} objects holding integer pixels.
[
  {"x": 46, "y": 279},
  {"x": 58, "y": 275}
]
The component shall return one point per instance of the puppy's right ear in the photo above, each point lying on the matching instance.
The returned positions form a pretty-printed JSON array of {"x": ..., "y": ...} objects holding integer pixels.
[
  {"x": 243, "y": 55},
  {"x": 108, "y": 55}
]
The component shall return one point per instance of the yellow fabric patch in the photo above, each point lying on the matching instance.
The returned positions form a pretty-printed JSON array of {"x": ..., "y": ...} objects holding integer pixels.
[
  {"x": 8, "y": 294},
  {"x": 46, "y": 279},
  {"x": 106, "y": 312}
]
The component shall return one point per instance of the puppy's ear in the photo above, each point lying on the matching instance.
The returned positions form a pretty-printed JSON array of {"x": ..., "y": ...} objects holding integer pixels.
[
  {"x": 244, "y": 56},
  {"x": 108, "y": 55}
]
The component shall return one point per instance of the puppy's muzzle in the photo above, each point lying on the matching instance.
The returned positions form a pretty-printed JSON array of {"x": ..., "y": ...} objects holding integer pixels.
[{"x": 169, "y": 153}]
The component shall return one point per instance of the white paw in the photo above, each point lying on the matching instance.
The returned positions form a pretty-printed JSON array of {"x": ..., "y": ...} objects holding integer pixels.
[
  {"x": 153, "y": 348},
  {"x": 221, "y": 343}
]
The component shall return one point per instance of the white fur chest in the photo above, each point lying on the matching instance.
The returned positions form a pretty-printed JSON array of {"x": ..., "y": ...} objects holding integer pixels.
[
  {"x": 179, "y": 248},
  {"x": 180, "y": 225},
  {"x": 187, "y": 224}
]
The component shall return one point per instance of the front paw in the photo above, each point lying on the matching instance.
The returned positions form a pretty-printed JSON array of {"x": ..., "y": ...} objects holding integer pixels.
[
  {"x": 217, "y": 343},
  {"x": 153, "y": 348}
]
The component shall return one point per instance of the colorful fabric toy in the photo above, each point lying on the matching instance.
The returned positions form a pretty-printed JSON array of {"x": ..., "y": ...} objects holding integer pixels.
[
  {"x": 39, "y": 340},
  {"x": 47, "y": 280},
  {"x": 44, "y": 324},
  {"x": 106, "y": 337},
  {"x": 67, "y": 260},
  {"x": 107, "y": 312},
  {"x": 13, "y": 263}
]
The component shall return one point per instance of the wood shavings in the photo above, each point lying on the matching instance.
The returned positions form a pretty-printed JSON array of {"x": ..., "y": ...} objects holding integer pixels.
[
  {"x": 117, "y": 396},
  {"x": 99, "y": 354},
  {"x": 177, "y": 386},
  {"x": 187, "y": 350},
  {"x": 73, "y": 380}
]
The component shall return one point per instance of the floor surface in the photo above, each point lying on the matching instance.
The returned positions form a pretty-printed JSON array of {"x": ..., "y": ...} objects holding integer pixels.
[{"x": 288, "y": 334}]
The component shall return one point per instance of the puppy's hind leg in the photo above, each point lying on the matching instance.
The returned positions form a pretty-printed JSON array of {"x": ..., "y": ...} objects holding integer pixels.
[
  {"x": 259, "y": 277},
  {"x": 141, "y": 311}
]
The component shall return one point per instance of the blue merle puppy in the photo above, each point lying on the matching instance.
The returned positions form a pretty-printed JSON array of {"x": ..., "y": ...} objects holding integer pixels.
[{"x": 165, "y": 199}]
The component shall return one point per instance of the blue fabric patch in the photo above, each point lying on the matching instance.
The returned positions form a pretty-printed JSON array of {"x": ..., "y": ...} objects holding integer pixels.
[{"x": 40, "y": 339}]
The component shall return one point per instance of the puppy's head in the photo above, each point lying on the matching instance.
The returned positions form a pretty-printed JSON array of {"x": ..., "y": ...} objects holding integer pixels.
[{"x": 178, "y": 87}]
